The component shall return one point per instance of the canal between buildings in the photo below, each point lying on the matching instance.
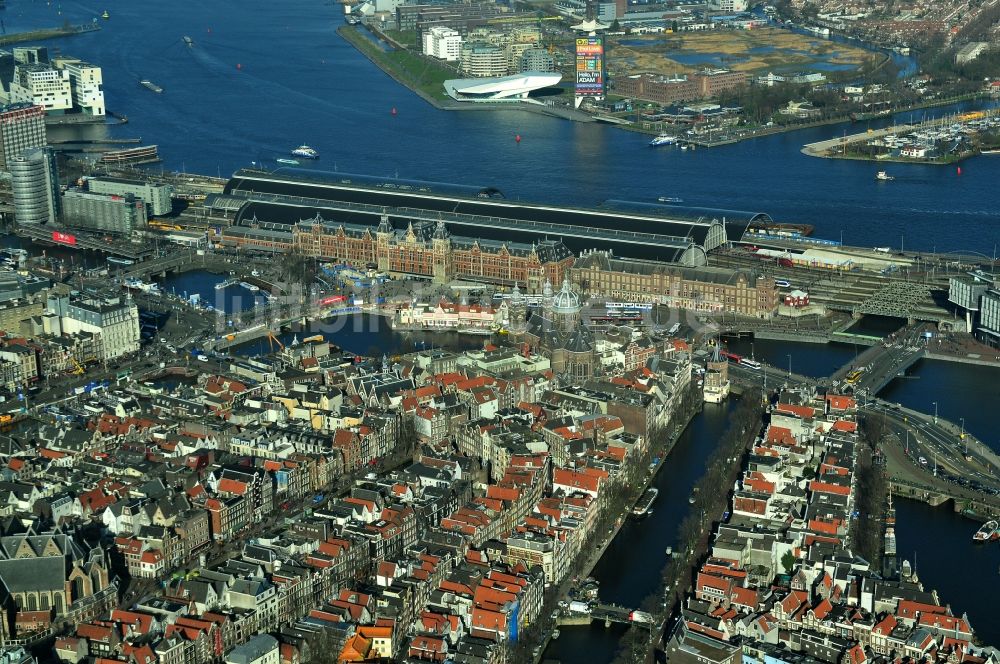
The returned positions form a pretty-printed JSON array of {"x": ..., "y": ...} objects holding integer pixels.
[
  {"x": 965, "y": 575},
  {"x": 630, "y": 568},
  {"x": 359, "y": 334}
]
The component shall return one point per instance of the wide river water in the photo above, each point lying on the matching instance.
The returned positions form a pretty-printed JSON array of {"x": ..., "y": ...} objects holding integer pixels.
[{"x": 263, "y": 78}]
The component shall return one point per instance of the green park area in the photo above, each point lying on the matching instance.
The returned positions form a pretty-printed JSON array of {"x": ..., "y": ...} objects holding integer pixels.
[
  {"x": 755, "y": 51},
  {"x": 423, "y": 75}
]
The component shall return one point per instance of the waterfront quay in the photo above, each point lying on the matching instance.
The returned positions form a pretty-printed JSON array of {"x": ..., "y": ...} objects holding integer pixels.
[
  {"x": 942, "y": 140},
  {"x": 926, "y": 457},
  {"x": 845, "y": 510}
]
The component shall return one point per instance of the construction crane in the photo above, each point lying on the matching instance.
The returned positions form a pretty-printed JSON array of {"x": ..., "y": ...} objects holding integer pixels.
[{"x": 271, "y": 340}]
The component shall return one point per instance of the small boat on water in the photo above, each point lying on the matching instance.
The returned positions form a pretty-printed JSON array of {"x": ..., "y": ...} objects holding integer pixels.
[
  {"x": 643, "y": 505},
  {"x": 290, "y": 162},
  {"x": 305, "y": 152},
  {"x": 149, "y": 85},
  {"x": 691, "y": 498},
  {"x": 663, "y": 139},
  {"x": 670, "y": 199},
  {"x": 885, "y": 177},
  {"x": 988, "y": 532},
  {"x": 105, "y": 15},
  {"x": 555, "y": 634},
  {"x": 188, "y": 41}
]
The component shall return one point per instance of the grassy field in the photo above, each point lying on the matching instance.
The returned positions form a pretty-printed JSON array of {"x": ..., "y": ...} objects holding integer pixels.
[
  {"x": 421, "y": 74},
  {"x": 752, "y": 51},
  {"x": 38, "y": 35}
]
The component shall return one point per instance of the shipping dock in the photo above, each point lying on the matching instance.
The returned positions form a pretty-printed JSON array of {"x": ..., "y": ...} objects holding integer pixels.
[{"x": 146, "y": 154}]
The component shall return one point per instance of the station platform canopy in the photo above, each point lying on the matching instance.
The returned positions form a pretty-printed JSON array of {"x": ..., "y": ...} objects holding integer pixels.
[
  {"x": 293, "y": 175},
  {"x": 744, "y": 217},
  {"x": 635, "y": 230}
]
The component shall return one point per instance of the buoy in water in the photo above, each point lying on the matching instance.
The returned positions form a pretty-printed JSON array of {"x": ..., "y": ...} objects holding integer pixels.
[
  {"x": 959, "y": 170},
  {"x": 393, "y": 111},
  {"x": 517, "y": 138},
  {"x": 239, "y": 66}
]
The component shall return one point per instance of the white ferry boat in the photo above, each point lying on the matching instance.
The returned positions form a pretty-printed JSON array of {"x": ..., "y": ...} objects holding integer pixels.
[{"x": 663, "y": 139}]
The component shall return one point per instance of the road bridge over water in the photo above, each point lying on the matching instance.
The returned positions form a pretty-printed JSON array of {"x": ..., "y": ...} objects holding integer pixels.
[
  {"x": 882, "y": 362},
  {"x": 44, "y": 234},
  {"x": 929, "y": 458}
]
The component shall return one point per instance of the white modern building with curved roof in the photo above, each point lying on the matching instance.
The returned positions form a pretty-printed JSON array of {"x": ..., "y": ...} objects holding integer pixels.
[{"x": 501, "y": 88}]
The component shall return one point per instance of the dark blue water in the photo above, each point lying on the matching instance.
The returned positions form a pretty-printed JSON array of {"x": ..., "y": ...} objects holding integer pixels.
[
  {"x": 814, "y": 360},
  {"x": 298, "y": 81},
  {"x": 644, "y": 541},
  {"x": 966, "y": 575},
  {"x": 369, "y": 335},
  {"x": 961, "y": 390},
  {"x": 591, "y": 643},
  {"x": 231, "y": 299}
]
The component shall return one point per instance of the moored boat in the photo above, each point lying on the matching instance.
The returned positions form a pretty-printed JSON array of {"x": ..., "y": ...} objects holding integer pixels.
[
  {"x": 663, "y": 139},
  {"x": 645, "y": 502},
  {"x": 988, "y": 532},
  {"x": 882, "y": 175}
]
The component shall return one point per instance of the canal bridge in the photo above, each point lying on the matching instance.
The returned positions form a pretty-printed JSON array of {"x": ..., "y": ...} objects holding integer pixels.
[
  {"x": 608, "y": 614},
  {"x": 985, "y": 507},
  {"x": 876, "y": 367}
]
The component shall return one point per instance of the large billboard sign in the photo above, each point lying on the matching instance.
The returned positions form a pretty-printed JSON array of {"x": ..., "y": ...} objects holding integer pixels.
[
  {"x": 63, "y": 238},
  {"x": 590, "y": 66}
]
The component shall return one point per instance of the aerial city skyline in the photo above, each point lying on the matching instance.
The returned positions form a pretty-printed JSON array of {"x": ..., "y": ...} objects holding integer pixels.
[{"x": 499, "y": 332}]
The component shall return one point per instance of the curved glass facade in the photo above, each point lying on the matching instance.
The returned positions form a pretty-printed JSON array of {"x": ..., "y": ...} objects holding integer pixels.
[{"x": 34, "y": 186}]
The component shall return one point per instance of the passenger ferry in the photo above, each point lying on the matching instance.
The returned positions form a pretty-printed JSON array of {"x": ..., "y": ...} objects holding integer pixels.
[
  {"x": 663, "y": 139},
  {"x": 305, "y": 152}
]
